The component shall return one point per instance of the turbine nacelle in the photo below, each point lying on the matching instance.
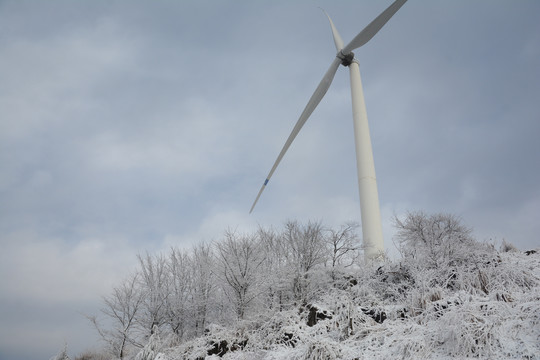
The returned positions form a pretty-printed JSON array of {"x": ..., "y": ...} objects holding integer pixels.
[{"x": 346, "y": 59}]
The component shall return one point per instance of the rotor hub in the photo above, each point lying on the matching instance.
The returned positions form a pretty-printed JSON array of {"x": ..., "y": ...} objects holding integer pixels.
[{"x": 346, "y": 59}]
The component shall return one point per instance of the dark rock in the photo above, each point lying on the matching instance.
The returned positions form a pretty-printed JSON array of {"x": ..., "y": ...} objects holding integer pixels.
[
  {"x": 351, "y": 280},
  {"x": 377, "y": 315},
  {"x": 315, "y": 315},
  {"x": 343, "y": 281},
  {"x": 403, "y": 313},
  {"x": 288, "y": 340},
  {"x": 440, "y": 307},
  {"x": 239, "y": 345},
  {"x": 218, "y": 348}
]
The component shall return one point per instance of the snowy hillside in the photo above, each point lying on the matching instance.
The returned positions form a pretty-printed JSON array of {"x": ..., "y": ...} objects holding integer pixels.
[
  {"x": 429, "y": 322},
  {"x": 304, "y": 293}
]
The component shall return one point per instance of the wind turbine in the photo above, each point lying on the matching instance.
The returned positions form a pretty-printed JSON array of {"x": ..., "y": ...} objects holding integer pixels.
[{"x": 367, "y": 183}]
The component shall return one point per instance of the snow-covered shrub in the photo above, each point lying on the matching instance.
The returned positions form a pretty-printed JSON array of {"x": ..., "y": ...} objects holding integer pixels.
[
  {"x": 321, "y": 348},
  {"x": 190, "y": 350},
  {"x": 392, "y": 281},
  {"x": 348, "y": 318},
  {"x": 372, "y": 288},
  {"x": 506, "y": 246},
  {"x": 285, "y": 328},
  {"x": 435, "y": 240},
  {"x": 402, "y": 340},
  {"x": 473, "y": 328},
  {"x": 441, "y": 245},
  {"x": 524, "y": 329},
  {"x": 151, "y": 350},
  {"x": 217, "y": 341},
  {"x": 62, "y": 355},
  {"x": 93, "y": 355},
  {"x": 420, "y": 299},
  {"x": 514, "y": 272}
]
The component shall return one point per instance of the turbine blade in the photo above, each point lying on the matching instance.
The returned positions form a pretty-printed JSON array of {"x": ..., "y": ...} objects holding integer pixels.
[
  {"x": 338, "y": 41},
  {"x": 311, "y": 105},
  {"x": 258, "y": 196},
  {"x": 369, "y": 31}
]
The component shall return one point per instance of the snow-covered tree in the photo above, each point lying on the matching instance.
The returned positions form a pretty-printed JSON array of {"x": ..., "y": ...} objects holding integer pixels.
[
  {"x": 304, "y": 250},
  {"x": 151, "y": 350},
  {"x": 344, "y": 246},
  {"x": 203, "y": 287},
  {"x": 239, "y": 259},
  {"x": 121, "y": 309},
  {"x": 276, "y": 269},
  {"x": 153, "y": 277},
  {"x": 180, "y": 288},
  {"x": 441, "y": 245},
  {"x": 436, "y": 239}
]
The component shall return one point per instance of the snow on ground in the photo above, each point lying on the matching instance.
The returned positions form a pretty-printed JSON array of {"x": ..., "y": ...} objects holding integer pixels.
[{"x": 449, "y": 325}]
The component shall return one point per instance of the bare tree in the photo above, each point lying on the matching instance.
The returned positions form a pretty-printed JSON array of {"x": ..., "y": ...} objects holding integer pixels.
[
  {"x": 440, "y": 244},
  {"x": 121, "y": 308},
  {"x": 305, "y": 249},
  {"x": 203, "y": 286},
  {"x": 437, "y": 239},
  {"x": 153, "y": 282},
  {"x": 344, "y": 246},
  {"x": 276, "y": 268},
  {"x": 239, "y": 258},
  {"x": 179, "y": 289}
]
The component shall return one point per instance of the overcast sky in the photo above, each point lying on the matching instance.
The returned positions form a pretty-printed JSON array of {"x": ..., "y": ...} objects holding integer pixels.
[{"x": 128, "y": 126}]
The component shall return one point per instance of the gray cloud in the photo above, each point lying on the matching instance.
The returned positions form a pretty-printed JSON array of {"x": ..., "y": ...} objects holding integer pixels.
[{"x": 129, "y": 126}]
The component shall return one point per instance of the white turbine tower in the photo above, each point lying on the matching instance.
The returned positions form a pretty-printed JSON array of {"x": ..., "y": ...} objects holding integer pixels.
[{"x": 367, "y": 183}]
